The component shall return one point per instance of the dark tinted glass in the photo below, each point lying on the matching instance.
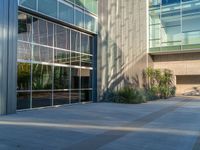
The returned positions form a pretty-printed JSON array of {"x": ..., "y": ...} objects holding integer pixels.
[
  {"x": 61, "y": 97},
  {"x": 24, "y": 27},
  {"x": 61, "y": 77},
  {"x": 23, "y": 100},
  {"x": 41, "y": 99},
  {"x": 42, "y": 77},
  {"x": 23, "y": 76}
]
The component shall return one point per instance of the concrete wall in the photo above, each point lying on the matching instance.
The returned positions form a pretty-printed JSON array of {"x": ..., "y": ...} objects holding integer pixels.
[
  {"x": 122, "y": 43},
  {"x": 185, "y": 66},
  {"x": 8, "y": 51},
  {"x": 180, "y": 64}
]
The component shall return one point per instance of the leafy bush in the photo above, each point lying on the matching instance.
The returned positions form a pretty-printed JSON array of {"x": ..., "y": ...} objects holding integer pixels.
[
  {"x": 126, "y": 95},
  {"x": 160, "y": 84}
]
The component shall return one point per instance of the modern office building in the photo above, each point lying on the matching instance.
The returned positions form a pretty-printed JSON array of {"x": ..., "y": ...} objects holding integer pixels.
[{"x": 55, "y": 52}]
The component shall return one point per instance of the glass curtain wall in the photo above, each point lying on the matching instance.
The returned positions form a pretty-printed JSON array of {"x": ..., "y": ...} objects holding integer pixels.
[
  {"x": 54, "y": 64},
  {"x": 81, "y": 13},
  {"x": 174, "y": 25}
]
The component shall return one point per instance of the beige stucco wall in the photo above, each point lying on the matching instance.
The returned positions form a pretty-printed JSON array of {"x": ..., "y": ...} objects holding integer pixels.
[
  {"x": 185, "y": 66},
  {"x": 122, "y": 43}
]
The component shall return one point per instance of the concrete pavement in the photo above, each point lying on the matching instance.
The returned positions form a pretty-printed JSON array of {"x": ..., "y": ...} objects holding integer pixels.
[{"x": 172, "y": 124}]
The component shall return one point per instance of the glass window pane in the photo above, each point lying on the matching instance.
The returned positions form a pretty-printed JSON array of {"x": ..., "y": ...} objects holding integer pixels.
[
  {"x": 28, "y": 3},
  {"x": 51, "y": 10},
  {"x": 86, "y": 78},
  {"x": 171, "y": 36},
  {"x": 80, "y": 3},
  {"x": 61, "y": 77},
  {"x": 41, "y": 99},
  {"x": 154, "y": 3},
  {"x": 42, "y": 77},
  {"x": 86, "y": 60},
  {"x": 66, "y": 12},
  {"x": 75, "y": 59},
  {"x": 42, "y": 32},
  {"x": 60, "y": 97},
  {"x": 23, "y": 100},
  {"x": 62, "y": 37},
  {"x": 154, "y": 16},
  {"x": 42, "y": 54},
  {"x": 154, "y": 43},
  {"x": 75, "y": 41},
  {"x": 85, "y": 43},
  {"x": 24, "y": 27},
  {"x": 91, "y": 5},
  {"x": 79, "y": 18},
  {"x": 23, "y": 51},
  {"x": 75, "y": 78},
  {"x": 155, "y": 32},
  {"x": 23, "y": 76},
  {"x": 190, "y": 22},
  {"x": 75, "y": 96},
  {"x": 90, "y": 23},
  {"x": 86, "y": 95},
  {"x": 61, "y": 57},
  {"x": 167, "y": 2}
]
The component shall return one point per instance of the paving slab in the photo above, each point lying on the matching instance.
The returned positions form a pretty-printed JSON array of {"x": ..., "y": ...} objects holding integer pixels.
[{"x": 170, "y": 124}]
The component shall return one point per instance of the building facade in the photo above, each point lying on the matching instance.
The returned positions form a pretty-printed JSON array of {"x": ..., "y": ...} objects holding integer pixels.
[
  {"x": 174, "y": 40},
  {"x": 55, "y": 52}
]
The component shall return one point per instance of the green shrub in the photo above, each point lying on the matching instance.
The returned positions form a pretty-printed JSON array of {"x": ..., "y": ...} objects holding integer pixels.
[
  {"x": 160, "y": 83},
  {"x": 130, "y": 95}
]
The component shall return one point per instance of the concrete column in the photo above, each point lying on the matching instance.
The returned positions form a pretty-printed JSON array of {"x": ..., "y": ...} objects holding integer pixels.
[{"x": 8, "y": 54}]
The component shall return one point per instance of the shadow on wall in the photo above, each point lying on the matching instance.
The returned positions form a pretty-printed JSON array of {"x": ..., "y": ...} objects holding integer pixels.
[{"x": 122, "y": 51}]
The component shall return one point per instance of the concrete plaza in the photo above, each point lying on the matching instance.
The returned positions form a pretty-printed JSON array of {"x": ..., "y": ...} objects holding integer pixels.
[{"x": 172, "y": 124}]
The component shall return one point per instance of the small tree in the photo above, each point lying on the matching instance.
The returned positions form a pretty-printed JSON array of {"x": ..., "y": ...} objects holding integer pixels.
[{"x": 160, "y": 83}]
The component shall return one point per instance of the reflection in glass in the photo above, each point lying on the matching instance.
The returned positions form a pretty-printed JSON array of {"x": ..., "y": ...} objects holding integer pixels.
[
  {"x": 23, "y": 51},
  {"x": 61, "y": 77},
  {"x": 23, "y": 76},
  {"x": 154, "y": 3},
  {"x": 85, "y": 43},
  {"x": 171, "y": 36},
  {"x": 55, "y": 55},
  {"x": 86, "y": 60},
  {"x": 75, "y": 78},
  {"x": 75, "y": 96},
  {"x": 66, "y": 12},
  {"x": 86, "y": 78},
  {"x": 91, "y": 5},
  {"x": 79, "y": 2},
  {"x": 75, "y": 59},
  {"x": 42, "y": 32},
  {"x": 60, "y": 97},
  {"x": 75, "y": 41},
  {"x": 24, "y": 27},
  {"x": 42, "y": 54},
  {"x": 86, "y": 95},
  {"x": 79, "y": 18},
  {"x": 90, "y": 23},
  {"x": 42, "y": 77},
  {"x": 28, "y": 3},
  {"x": 41, "y": 99},
  {"x": 48, "y": 7},
  {"x": 62, "y": 37},
  {"x": 62, "y": 57},
  {"x": 23, "y": 100}
]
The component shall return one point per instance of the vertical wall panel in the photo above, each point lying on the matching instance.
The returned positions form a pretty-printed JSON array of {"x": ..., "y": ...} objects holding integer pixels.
[
  {"x": 122, "y": 43},
  {"x": 8, "y": 46}
]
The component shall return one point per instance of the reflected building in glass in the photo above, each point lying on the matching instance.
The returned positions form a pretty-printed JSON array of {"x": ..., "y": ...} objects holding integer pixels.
[
  {"x": 55, "y": 52},
  {"x": 174, "y": 40},
  {"x": 174, "y": 25}
]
